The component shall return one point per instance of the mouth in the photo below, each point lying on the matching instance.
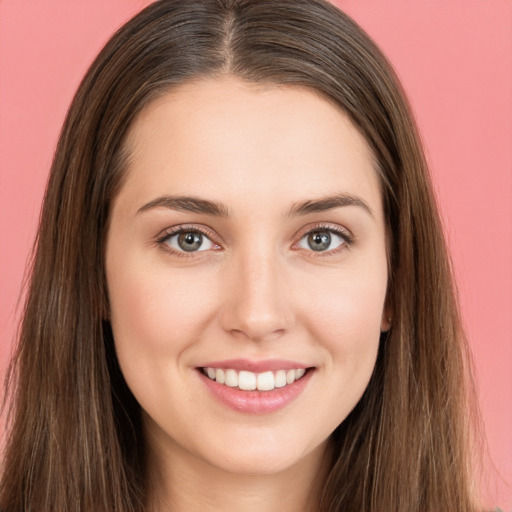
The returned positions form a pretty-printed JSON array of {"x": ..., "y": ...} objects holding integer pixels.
[
  {"x": 271, "y": 386},
  {"x": 251, "y": 381}
]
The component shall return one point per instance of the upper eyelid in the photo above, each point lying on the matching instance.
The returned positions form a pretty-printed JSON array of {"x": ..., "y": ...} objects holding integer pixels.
[
  {"x": 174, "y": 230},
  {"x": 326, "y": 226}
]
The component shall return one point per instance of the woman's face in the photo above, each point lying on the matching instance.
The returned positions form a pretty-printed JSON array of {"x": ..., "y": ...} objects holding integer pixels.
[{"x": 248, "y": 241}]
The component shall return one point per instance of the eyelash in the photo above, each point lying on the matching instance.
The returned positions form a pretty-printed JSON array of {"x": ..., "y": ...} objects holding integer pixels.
[
  {"x": 344, "y": 234},
  {"x": 183, "y": 228},
  {"x": 347, "y": 238}
]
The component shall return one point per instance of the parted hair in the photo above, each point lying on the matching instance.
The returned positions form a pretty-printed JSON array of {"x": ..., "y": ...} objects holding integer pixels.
[{"x": 75, "y": 439}]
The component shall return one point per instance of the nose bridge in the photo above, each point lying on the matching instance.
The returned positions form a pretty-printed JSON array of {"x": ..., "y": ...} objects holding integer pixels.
[{"x": 256, "y": 300}]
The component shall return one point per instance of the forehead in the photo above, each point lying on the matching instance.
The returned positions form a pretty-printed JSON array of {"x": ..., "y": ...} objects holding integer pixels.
[{"x": 230, "y": 137}]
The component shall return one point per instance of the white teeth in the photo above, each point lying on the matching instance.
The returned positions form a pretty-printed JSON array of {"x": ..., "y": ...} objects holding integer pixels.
[
  {"x": 231, "y": 378},
  {"x": 280, "y": 379},
  {"x": 265, "y": 381},
  {"x": 219, "y": 376},
  {"x": 249, "y": 381}
]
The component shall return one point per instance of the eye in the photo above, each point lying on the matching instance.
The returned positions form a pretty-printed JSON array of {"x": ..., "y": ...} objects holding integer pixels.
[
  {"x": 188, "y": 240},
  {"x": 322, "y": 240}
]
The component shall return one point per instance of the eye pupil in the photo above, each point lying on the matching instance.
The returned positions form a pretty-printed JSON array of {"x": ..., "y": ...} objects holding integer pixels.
[
  {"x": 190, "y": 241},
  {"x": 319, "y": 240}
]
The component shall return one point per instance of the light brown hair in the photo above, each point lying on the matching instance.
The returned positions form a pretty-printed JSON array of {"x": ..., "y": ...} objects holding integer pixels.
[{"x": 75, "y": 440}]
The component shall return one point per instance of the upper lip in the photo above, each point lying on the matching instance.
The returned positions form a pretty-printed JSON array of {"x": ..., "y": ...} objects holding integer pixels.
[{"x": 266, "y": 365}]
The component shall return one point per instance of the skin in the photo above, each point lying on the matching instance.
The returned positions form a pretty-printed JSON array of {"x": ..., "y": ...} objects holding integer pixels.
[{"x": 257, "y": 291}]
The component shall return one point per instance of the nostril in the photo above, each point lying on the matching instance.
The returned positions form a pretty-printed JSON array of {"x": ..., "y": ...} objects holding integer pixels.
[{"x": 244, "y": 320}]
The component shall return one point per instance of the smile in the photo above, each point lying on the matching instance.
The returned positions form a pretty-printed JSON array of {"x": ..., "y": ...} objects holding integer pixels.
[
  {"x": 250, "y": 381},
  {"x": 256, "y": 387}
]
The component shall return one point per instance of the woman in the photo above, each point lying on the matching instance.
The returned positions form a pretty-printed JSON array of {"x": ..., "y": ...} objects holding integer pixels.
[{"x": 241, "y": 295}]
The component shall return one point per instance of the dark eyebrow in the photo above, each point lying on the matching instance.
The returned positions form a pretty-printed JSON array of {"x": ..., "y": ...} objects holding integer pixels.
[
  {"x": 328, "y": 203},
  {"x": 197, "y": 205},
  {"x": 187, "y": 204}
]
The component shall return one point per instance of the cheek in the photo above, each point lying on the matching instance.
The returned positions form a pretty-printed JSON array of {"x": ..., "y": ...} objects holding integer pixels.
[
  {"x": 156, "y": 312},
  {"x": 346, "y": 316}
]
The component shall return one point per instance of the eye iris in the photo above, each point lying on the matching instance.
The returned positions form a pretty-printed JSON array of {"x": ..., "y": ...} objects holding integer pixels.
[
  {"x": 319, "y": 240},
  {"x": 190, "y": 241}
]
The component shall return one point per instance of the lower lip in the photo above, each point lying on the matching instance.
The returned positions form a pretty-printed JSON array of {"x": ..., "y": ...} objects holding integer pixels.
[{"x": 256, "y": 402}]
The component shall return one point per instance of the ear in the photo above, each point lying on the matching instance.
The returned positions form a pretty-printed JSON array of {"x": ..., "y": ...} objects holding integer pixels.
[{"x": 386, "y": 320}]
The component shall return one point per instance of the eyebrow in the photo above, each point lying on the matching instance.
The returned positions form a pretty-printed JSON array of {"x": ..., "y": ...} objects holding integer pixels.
[
  {"x": 187, "y": 204},
  {"x": 323, "y": 204},
  {"x": 214, "y": 208}
]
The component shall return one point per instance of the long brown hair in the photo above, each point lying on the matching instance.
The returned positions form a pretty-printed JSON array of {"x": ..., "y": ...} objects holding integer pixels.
[{"x": 75, "y": 440}]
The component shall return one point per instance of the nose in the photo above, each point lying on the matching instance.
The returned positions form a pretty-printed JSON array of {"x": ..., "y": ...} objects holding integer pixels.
[{"x": 256, "y": 304}]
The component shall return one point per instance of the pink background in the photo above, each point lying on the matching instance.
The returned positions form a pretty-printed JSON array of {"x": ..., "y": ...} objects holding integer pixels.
[{"x": 455, "y": 60}]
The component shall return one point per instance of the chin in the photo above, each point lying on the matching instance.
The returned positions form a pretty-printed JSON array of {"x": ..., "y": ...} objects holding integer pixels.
[{"x": 262, "y": 455}]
